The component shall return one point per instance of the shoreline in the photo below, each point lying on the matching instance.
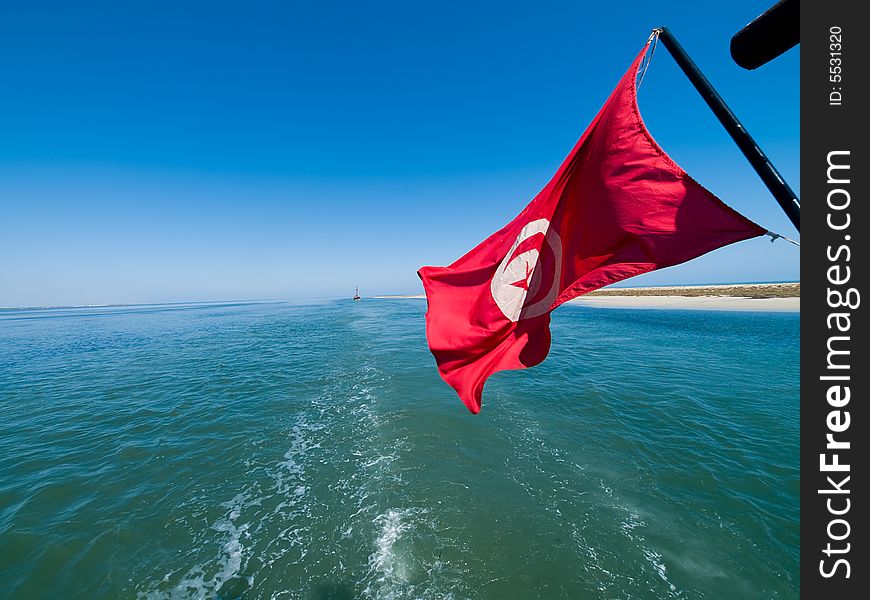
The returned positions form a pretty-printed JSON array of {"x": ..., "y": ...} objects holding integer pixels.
[
  {"x": 733, "y": 290},
  {"x": 761, "y": 297},
  {"x": 733, "y": 303}
]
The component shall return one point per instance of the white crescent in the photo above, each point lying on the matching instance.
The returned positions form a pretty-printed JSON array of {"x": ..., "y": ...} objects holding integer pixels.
[{"x": 511, "y": 299}]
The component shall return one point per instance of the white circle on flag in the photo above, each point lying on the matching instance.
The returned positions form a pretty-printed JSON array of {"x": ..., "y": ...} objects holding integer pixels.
[{"x": 517, "y": 278}]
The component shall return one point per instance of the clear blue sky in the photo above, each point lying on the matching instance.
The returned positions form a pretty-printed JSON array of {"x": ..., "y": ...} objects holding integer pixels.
[{"x": 164, "y": 151}]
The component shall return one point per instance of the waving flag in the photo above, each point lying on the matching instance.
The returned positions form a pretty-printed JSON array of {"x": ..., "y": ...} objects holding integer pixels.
[{"x": 617, "y": 207}]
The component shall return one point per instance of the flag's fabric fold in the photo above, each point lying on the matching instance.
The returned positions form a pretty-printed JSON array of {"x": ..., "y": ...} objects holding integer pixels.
[{"x": 617, "y": 207}]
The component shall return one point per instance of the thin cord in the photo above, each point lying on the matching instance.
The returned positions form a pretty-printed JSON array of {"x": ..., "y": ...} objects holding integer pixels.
[
  {"x": 654, "y": 38},
  {"x": 776, "y": 236}
]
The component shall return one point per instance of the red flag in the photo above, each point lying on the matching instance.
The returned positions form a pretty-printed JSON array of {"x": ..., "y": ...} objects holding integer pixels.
[{"x": 617, "y": 207}]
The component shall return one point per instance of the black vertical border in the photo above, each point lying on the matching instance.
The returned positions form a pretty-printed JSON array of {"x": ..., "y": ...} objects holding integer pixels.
[{"x": 826, "y": 128}]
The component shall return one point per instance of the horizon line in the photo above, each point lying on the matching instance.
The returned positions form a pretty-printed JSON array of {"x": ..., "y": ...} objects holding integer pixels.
[{"x": 331, "y": 297}]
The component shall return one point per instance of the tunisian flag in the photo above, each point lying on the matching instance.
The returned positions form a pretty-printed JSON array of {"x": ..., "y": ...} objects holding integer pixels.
[{"x": 617, "y": 207}]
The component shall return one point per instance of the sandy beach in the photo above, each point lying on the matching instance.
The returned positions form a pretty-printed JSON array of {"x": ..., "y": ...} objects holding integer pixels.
[
  {"x": 779, "y": 297},
  {"x": 792, "y": 304}
]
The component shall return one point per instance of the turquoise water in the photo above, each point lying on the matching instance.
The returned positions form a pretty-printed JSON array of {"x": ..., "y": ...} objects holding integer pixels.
[{"x": 311, "y": 451}]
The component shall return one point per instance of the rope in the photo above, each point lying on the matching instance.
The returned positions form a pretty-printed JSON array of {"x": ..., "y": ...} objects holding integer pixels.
[
  {"x": 654, "y": 38},
  {"x": 776, "y": 236}
]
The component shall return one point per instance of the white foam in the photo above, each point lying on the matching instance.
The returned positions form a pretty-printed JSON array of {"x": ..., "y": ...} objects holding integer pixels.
[
  {"x": 388, "y": 567},
  {"x": 228, "y": 561},
  {"x": 633, "y": 521},
  {"x": 655, "y": 559},
  {"x": 205, "y": 579},
  {"x": 385, "y": 560}
]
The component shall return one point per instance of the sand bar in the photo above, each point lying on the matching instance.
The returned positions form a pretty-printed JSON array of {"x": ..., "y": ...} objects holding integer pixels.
[
  {"x": 736, "y": 290},
  {"x": 777, "y": 297}
]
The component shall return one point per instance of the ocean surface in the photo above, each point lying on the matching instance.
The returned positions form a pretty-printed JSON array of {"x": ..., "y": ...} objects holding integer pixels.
[{"x": 310, "y": 450}]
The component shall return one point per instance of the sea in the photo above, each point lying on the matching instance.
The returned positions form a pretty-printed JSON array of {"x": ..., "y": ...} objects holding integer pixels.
[{"x": 309, "y": 450}]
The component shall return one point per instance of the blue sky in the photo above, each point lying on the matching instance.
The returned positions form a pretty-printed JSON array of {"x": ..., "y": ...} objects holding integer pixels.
[{"x": 169, "y": 151}]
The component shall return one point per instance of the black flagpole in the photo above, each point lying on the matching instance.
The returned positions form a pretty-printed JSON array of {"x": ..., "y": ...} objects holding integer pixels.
[{"x": 787, "y": 199}]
